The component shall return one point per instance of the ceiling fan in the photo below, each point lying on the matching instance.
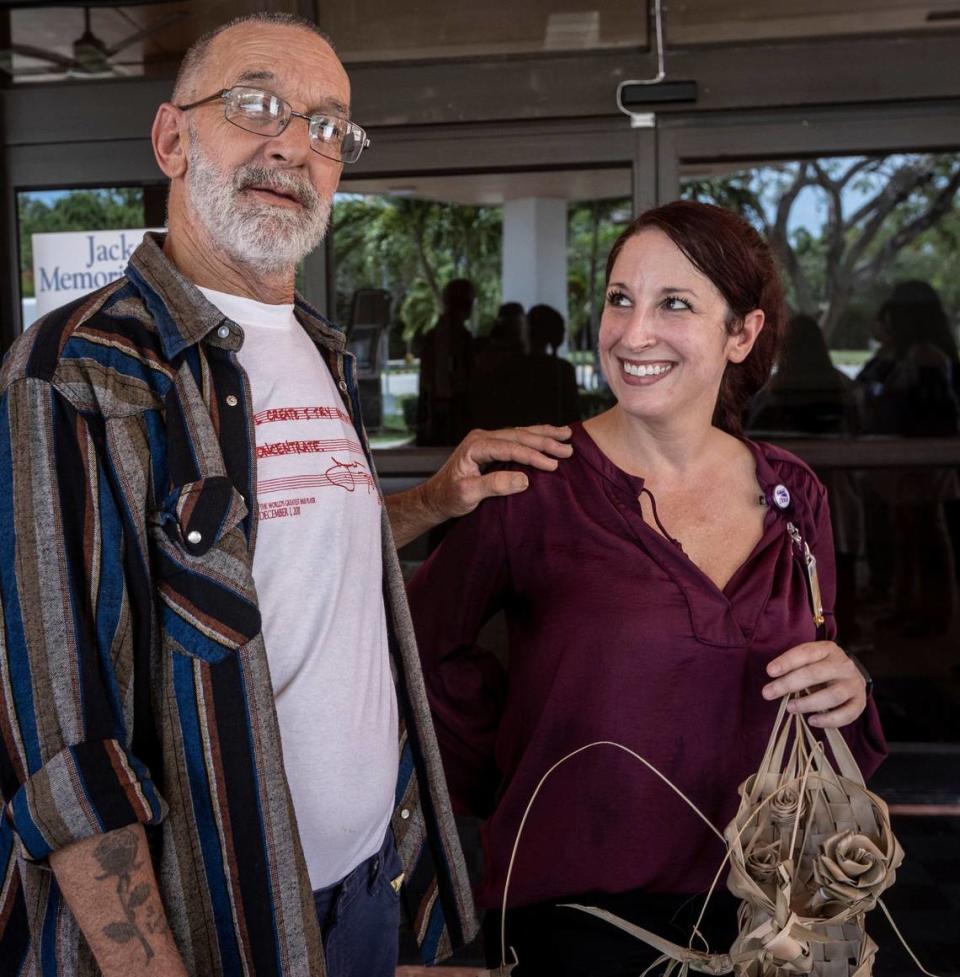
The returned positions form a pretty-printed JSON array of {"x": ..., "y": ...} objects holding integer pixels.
[{"x": 91, "y": 57}]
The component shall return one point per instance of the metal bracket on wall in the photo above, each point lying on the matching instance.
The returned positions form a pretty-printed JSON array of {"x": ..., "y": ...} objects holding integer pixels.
[
  {"x": 642, "y": 91},
  {"x": 643, "y": 120}
]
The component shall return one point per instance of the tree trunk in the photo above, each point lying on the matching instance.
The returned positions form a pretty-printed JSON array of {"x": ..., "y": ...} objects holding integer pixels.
[{"x": 592, "y": 317}]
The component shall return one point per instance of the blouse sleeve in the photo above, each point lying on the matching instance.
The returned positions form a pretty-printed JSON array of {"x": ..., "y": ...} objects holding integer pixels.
[
  {"x": 864, "y": 735},
  {"x": 456, "y": 591}
]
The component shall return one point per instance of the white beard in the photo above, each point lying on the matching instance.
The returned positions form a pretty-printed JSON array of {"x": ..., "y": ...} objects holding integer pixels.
[{"x": 269, "y": 237}]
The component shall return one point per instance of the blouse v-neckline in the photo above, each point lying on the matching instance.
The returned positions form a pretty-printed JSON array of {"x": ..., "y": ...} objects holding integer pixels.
[{"x": 721, "y": 603}]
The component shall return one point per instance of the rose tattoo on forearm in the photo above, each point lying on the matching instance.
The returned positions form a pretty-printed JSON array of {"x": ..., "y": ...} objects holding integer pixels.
[{"x": 117, "y": 855}]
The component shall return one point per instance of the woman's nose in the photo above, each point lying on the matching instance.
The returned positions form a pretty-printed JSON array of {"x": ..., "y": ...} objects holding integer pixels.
[{"x": 640, "y": 332}]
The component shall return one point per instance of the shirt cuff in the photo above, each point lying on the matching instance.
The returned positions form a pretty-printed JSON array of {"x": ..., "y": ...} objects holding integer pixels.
[{"x": 84, "y": 790}]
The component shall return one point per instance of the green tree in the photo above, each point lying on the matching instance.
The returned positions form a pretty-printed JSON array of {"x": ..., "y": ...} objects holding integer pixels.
[
  {"x": 884, "y": 218},
  {"x": 592, "y": 227},
  {"x": 412, "y": 248}
]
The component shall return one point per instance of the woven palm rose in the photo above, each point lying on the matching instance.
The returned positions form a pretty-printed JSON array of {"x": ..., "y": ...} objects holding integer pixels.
[
  {"x": 787, "y": 805},
  {"x": 850, "y": 870},
  {"x": 762, "y": 862}
]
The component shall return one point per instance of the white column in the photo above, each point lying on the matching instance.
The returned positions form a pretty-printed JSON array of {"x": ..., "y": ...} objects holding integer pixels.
[{"x": 535, "y": 252}]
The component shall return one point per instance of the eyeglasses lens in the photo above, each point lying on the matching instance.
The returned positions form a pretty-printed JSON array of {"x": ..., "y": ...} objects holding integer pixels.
[
  {"x": 256, "y": 111},
  {"x": 352, "y": 145}
]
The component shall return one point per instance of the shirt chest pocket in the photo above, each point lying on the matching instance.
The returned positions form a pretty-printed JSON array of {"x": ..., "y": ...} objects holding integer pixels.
[{"x": 208, "y": 603}]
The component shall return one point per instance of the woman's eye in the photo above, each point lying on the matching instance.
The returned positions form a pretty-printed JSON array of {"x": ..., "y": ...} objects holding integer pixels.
[
  {"x": 617, "y": 298},
  {"x": 673, "y": 303}
]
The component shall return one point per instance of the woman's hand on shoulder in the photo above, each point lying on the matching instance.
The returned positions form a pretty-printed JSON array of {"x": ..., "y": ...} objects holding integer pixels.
[{"x": 837, "y": 690}]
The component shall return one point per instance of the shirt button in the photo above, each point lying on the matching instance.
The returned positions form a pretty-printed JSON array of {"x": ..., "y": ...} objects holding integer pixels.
[
  {"x": 343, "y": 385},
  {"x": 232, "y": 400},
  {"x": 223, "y": 332},
  {"x": 194, "y": 537},
  {"x": 405, "y": 813}
]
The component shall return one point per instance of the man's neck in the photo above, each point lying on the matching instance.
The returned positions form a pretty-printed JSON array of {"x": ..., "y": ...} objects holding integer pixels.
[{"x": 199, "y": 260}]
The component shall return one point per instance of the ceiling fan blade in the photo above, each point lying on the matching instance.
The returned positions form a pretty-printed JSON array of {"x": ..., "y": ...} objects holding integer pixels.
[
  {"x": 40, "y": 54},
  {"x": 146, "y": 32},
  {"x": 38, "y": 72}
]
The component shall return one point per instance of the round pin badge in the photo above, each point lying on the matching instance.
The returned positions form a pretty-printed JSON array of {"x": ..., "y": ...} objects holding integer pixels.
[{"x": 781, "y": 496}]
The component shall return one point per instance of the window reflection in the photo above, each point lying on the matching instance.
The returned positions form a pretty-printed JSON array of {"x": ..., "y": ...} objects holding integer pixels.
[
  {"x": 495, "y": 288},
  {"x": 867, "y": 247}
]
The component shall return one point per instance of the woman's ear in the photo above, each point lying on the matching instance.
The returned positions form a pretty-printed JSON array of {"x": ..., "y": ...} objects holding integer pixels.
[{"x": 739, "y": 345}]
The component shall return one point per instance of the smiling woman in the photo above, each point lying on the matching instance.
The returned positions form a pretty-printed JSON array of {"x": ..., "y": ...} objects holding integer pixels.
[
  {"x": 726, "y": 279},
  {"x": 656, "y": 595}
]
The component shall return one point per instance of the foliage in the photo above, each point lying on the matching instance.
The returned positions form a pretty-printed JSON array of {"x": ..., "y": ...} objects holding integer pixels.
[
  {"x": 845, "y": 230},
  {"x": 80, "y": 210},
  {"x": 592, "y": 227},
  {"x": 413, "y": 247}
]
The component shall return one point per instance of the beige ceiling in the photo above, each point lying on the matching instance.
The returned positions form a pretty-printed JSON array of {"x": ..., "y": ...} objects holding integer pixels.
[{"x": 366, "y": 30}]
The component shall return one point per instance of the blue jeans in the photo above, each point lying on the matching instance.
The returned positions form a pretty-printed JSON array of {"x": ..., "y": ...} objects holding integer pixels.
[{"x": 360, "y": 917}]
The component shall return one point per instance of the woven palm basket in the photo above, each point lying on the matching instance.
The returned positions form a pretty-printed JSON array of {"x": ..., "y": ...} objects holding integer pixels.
[{"x": 810, "y": 852}]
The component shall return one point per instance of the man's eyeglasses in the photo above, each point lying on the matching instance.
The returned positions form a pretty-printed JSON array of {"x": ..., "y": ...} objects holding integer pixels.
[{"x": 269, "y": 115}]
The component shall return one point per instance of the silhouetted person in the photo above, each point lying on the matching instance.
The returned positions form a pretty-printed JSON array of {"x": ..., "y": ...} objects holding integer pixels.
[
  {"x": 879, "y": 545},
  {"x": 553, "y": 381},
  {"x": 509, "y": 387},
  {"x": 919, "y": 398},
  {"x": 809, "y": 395},
  {"x": 446, "y": 355},
  {"x": 499, "y": 376},
  {"x": 918, "y": 394}
]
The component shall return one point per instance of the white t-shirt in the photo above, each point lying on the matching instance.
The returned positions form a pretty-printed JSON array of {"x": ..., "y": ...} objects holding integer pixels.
[{"x": 317, "y": 567}]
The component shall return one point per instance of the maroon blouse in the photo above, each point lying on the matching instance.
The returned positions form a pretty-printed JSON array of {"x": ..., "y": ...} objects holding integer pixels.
[{"x": 614, "y": 635}]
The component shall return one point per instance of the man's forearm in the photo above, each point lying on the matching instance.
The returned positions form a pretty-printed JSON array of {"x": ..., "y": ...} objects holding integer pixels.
[
  {"x": 410, "y": 515},
  {"x": 110, "y": 887}
]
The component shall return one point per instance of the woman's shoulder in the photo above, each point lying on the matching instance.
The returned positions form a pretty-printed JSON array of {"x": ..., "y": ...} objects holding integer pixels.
[{"x": 783, "y": 467}]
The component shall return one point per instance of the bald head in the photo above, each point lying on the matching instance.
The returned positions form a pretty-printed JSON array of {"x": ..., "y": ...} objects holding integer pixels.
[{"x": 186, "y": 87}]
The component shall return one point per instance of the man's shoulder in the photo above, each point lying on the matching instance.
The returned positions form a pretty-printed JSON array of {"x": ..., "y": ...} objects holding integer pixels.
[{"x": 93, "y": 348}]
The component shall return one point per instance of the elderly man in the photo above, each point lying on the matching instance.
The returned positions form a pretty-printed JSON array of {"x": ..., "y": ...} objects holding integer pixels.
[{"x": 199, "y": 751}]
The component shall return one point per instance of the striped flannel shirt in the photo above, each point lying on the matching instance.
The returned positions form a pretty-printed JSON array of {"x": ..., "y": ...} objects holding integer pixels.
[{"x": 134, "y": 684}]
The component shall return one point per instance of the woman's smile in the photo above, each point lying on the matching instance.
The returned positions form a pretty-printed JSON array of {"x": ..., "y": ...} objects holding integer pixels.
[{"x": 643, "y": 373}]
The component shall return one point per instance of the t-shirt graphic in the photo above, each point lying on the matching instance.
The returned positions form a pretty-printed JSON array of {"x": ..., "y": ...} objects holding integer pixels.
[{"x": 305, "y": 449}]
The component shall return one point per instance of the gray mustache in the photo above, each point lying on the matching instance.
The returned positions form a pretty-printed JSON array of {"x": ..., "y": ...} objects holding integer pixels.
[{"x": 260, "y": 176}]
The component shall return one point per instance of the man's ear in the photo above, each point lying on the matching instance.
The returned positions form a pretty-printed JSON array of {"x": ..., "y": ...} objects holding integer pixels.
[
  {"x": 739, "y": 346},
  {"x": 168, "y": 136}
]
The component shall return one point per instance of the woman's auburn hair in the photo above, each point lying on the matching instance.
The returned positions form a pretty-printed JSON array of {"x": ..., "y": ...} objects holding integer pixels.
[{"x": 739, "y": 262}]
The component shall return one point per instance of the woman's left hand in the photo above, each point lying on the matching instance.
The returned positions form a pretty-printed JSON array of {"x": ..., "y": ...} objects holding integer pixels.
[{"x": 837, "y": 690}]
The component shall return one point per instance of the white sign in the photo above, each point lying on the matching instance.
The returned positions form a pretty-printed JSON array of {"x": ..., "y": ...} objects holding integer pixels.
[{"x": 68, "y": 265}]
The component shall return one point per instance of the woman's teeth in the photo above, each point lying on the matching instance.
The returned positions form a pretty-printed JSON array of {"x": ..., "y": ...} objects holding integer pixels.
[{"x": 652, "y": 370}]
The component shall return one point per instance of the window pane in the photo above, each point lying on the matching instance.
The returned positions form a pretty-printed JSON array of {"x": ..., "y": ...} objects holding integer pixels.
[
  {"x": 448, "y": 270},
  {"x": 65, "y": 266},
  {"x": 868, "y": 251},
  {"x": 715, "y": 21},
  {"x": 846, "y": 230}
]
